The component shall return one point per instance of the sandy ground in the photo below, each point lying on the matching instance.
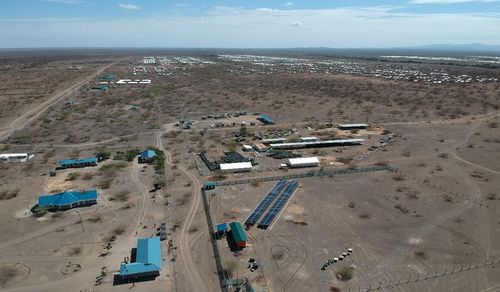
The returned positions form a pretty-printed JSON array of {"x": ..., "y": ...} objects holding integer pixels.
[{"x": 438, "y": 212}]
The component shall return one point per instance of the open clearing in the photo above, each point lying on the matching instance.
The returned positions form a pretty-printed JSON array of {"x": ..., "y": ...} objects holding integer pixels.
[{"x": 430, "y": 224}]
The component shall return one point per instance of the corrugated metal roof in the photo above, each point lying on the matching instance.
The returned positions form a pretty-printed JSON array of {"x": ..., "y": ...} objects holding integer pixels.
[
  {"x": 147, "y": 154},
  {"x": 92, "y": 159},
  {"x": 266, "y": 118},
  {"x": 66, "y": 198},
  {"x": 236, "y": 166},
  {"x": 353, "y": 125},
  {"x": 305, "y": 144},
  {"x": 237, "y": 231},
  {"x": 148, "y": 257},
  {"x": 303, "y": 160}
]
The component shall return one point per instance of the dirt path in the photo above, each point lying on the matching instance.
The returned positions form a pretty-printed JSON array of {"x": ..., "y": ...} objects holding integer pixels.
[
  {"x": 28, "y": 117},
  {"x": 185, "y": 255}
]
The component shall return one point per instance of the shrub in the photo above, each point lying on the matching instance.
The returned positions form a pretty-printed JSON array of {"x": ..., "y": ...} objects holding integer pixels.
[
  {"x": 420, "y": 255},
  {"x": 364, "y": 215},
  {"x": 121, "y": 196},
  {"x": 76, "y": 250},
  {"x": 95, "y": 218},
  {"x": 103, "y": 155},
  {"x": 7, "y": 274},
  {"x": 73, "y": 176},
  {"x": 9, "y": 194},
  {"x": 344, "y": 273},
  {"x": 118, "y": 230},
  {"x": 87, "y": 176}
]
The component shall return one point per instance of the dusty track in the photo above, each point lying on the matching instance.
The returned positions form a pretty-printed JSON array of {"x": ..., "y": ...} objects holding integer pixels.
[
  {"x": 185, "y": 255},
  {"x": 28, "y": 117}
]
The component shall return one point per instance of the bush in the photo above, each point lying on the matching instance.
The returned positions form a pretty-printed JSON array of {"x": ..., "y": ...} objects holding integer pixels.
[
  {"x": 103, "y": 155},
  {"x": 131, "y": 154},
  {"x": 420, "y": 255},
  {"x": 75, "y": 251},
  {"x": 121, "y": 196},
  {"x": 95, "y": 218},
  {"x": 73, "y": 176},
  {"x": 105, "y": 183},
  {"x": 7, "y": 274},
  {"x": 344, "y": 273},
  {"x": 9, "y": 194},
  {"x": 364, "y": 215},
  {"x": 119, "y": 230},
  {"x": 87, "y": 176}
]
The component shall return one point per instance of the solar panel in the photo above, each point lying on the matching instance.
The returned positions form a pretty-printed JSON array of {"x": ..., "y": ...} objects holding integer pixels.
[
  {"x": 278, "y": 205},
  {"x": 264, "y": 204}
]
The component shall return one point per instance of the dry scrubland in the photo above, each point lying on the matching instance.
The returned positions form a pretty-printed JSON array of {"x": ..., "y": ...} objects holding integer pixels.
[{"x": 440, "y": 210}]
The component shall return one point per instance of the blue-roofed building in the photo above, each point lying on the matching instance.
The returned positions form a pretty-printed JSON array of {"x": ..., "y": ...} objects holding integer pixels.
[
  {"x": 101, "y": 87},
  {"x": 221, "y": 230},
  {"x": 147, "y": 156},
  {"x": 148, "y": 260},
  {"x": 75, "y": 163},
  {"x": 68, "y": 200},
  {"x": 110, "y": 77},
  {"x": 266, "y": 119}
]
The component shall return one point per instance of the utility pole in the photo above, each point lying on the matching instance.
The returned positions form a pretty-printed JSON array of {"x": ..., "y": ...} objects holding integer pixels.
[{"x": 81, "y": 221}]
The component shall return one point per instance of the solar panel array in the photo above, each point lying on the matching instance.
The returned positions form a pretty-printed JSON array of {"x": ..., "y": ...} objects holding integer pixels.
[
  {"x": 264, "y": 204},
  {"x": 279, "y": 204}
]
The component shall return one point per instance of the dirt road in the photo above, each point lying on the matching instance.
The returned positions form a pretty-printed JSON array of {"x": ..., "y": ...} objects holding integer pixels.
[
  {"x": 185, "y": 255},
  {"x": 28, "y": 117}
]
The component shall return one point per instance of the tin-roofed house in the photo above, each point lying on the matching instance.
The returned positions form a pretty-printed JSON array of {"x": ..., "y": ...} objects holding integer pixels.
[
  {"x": 68, "y": 200},
  {"x": 267, "y": 120},
  {"x": 75, "y": 163},
  {"x": 238, "y": 234},
  {"x": 147, "y": 156},
  {"x": 148, "y": 260}
]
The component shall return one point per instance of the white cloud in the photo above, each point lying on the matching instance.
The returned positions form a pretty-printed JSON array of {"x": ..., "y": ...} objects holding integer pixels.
[
  {"x": 269, "y": 10},
  {"x": 288, "y": 4},
  {"x": 180, "y": 5},
  {"x": 247, "y": 28},
  {"x": 296, "y": 23},
  {"x": 64, "y": 1},
  {"x": 449, "y": 1},
  {"x": 128, "y": 6}
]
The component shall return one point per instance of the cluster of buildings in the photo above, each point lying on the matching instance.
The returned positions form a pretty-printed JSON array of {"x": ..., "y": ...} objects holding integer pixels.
[{"x": 272, "y": 64}]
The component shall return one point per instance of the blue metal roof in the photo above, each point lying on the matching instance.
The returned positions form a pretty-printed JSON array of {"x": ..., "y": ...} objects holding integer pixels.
[
  {"x": 222, "y": 227},
  {"x": 91, "y": 160},
  {"x": 148, "y": 257},
  {"x": 66, "y": 198},
  {"x": 148, "y": 154},
  {"x": 267, "y": 119}
]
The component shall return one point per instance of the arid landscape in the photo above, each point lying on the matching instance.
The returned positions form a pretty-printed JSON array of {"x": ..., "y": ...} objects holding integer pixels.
[{"x": 413, "y": 193}]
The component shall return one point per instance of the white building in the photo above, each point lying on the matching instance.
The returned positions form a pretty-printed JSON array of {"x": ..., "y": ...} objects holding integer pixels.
[
  {"x": 353, "y": 126},
  {"x": 236, "y": 167},
  {"x": 21, "y": 157},
  {"x": 246, "y": 148},
  {"x": 303, "y": 162},
  {"x": 309, "y": 139}
]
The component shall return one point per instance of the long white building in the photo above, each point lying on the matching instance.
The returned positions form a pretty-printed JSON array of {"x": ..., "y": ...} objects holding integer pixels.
[
  {"x": 303, "y": 162},
  {"x": 21, "y": 157},
  {"x": 236, "y": 167}
]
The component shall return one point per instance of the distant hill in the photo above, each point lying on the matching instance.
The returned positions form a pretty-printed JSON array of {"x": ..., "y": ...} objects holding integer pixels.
[{"x": 474, "y": 47}]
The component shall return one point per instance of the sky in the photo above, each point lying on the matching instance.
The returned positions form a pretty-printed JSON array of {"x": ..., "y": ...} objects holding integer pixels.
[{"x": 247, "y": 23}]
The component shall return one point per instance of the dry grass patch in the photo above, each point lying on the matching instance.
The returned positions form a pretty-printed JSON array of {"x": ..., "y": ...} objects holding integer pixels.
[
  {"x": 121, "y": 196},
  {"x": 9, "y": 194}
]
